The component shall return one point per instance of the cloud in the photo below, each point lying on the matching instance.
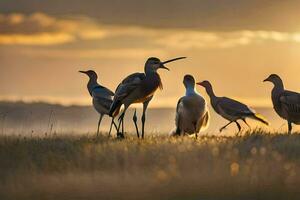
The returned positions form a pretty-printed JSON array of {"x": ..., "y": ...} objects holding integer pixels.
[
  {"x": 206, "y": 15},
  {"x": 36, "y": 39},
  {"x": 17, "y": 23},
  {"x": 124, "y": 53},
  {"x": 43, "y": 30},
  {"x": 196, "y": 39}
]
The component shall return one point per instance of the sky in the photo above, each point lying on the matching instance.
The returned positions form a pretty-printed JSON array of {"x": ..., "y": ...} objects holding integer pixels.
[{"x": 234, "y": 44}]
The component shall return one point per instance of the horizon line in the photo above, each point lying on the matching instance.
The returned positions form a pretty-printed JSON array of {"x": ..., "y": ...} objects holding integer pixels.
[{"x": 41, "y": 101}]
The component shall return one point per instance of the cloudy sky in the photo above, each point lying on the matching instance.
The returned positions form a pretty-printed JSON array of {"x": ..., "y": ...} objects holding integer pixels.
[{"x": 234, "y": 44}]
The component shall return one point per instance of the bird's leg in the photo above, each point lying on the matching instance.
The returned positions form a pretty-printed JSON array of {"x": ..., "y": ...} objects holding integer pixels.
[
  {"x": 238, "y": 125},
  {"x": 119, "y": 125},
  {"x": 143, "y": 125},
  {"x": 195, "y": 128},
  {"x": 115, "y": 125},
  {"x": 123, "y": 126},
  {"x": 121, "y": 121},
  {"x": 290, "y": 127},
  {"x": 145, "y": 105},
  {"x": 244, "y": 120},
  {"x": 135, "y": 120},
  {"x": 120, "y": 134},
  {"x": 99, "y": 122},
  {"x": 111, "y": 124},
  {"x": 221, "y": 129}
]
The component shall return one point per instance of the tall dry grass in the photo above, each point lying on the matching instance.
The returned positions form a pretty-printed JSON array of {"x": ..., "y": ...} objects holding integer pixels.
[{"x": 256, "y": 165}]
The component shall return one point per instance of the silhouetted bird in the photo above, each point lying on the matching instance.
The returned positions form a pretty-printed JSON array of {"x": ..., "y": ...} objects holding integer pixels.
[
  {"x": 138, "y": 88},
  {"x": 102, "y": 97},
  {"x": 230, "y": 109},
  {"x": 286, "y": 103},
  {"x": 191, "y": 113}
]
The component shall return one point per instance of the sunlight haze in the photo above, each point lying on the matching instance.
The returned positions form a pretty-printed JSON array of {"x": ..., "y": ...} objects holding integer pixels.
[{"x": 235, "y": 45}]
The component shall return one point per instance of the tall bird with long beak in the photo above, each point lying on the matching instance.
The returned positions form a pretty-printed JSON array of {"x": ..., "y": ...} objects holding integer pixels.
[
  {"x": 138, "y": 88},
  {"x": 102, "y": 97},
  {"x": 231, "y": 109},
  {"x": 286, "y": 103},
  {"x": 191, "y": 113}
]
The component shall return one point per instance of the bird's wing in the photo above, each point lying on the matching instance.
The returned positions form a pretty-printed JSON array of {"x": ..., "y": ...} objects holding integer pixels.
[
  {"x": 233, "y": 107},
  {"x": 191, "y": 114},
  {"x": 178, "y": 111},
  {"x": 130, "y": 83},
  {"x": 103, "y": 102},
  {"x": 179, "y": 104},
  {"x": 291, "y": 100},
  {"x": 102, "y": 92}
]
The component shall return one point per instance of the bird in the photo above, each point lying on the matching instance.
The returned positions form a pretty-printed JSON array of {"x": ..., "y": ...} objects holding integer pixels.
[
  {"x": 101, "y": 97},
  {"x": 285, "y": 103},
  {"x": 139, "y": 88},
  {"x": 231, "y": 109},
  {"x": 191, "y": 112}
]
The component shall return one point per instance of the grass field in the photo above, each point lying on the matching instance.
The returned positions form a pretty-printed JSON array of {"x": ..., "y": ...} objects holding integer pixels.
[{"x": 253, "y": 166}]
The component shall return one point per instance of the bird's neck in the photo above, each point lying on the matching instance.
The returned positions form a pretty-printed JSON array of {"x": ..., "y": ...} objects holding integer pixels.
[
  {"x": 150, "y": 71},
  {"x": 278, "y": 88},
  {"x": 153, "y": 81},
  {"x": 91, "y": 84},
  {"x": 211, "y": 93},
  {"x": 190, "y": 90},
  {"x": 151, "y": 74},
  {"x": 278, "y": 85}
]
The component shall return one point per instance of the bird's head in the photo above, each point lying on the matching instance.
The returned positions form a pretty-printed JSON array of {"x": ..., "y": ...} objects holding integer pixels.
[
  {"x": 273, "y": 78},
  {"x": 153, "y": 64},
  {"x": 189, "y": 81},
  {"x": 90, "y": 73},
  {"x": 205, "y": 84}
]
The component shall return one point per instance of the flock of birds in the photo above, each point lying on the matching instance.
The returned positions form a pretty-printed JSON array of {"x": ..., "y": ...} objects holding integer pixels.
[{"x": 192, "y": 114}]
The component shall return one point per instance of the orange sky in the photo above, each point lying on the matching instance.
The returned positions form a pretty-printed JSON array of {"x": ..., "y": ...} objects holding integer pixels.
[{"x": 234, "y": 45}]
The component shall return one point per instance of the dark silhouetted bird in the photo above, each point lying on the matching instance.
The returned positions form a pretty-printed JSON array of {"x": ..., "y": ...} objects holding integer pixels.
[
  {"x": 286, "y": 103},
  {"x": 138, "y": 88},
  {"x": 230, "y": 109},
  {"x": 101, "y": 96}
]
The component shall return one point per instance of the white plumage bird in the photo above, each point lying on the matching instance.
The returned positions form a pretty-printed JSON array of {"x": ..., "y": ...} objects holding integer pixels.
[
  {"x": 286, "y": 103},
  {"x": 192, "y": 114},
  {"x": 101, "y": 97}
]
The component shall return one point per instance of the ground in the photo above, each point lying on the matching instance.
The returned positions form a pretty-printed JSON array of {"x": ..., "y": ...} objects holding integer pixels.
[{"x": 256, "y": 165}]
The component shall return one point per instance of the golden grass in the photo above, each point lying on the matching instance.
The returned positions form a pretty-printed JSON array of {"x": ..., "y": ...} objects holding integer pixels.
[{"x": 254, "y": 166}]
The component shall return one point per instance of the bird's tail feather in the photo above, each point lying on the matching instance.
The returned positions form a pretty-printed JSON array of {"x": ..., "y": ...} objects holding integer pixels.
[
  {"x": 115, "y": 108},
  {"x": 205, "y": 123},
  {"x": 260, "y": 118}
]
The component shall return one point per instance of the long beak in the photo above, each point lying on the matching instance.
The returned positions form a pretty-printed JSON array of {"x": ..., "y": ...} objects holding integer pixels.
[
  {"x": 199, "y": 83},
  {"x": 84, "y": 72},
  {"x": 179, "y": 58},
  {"x": 163, "y": 67}
]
